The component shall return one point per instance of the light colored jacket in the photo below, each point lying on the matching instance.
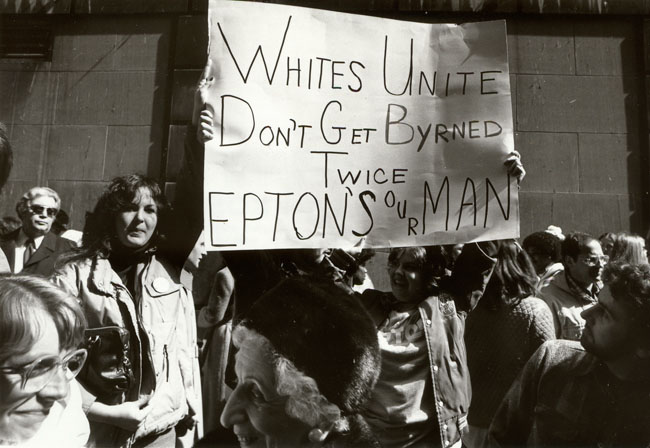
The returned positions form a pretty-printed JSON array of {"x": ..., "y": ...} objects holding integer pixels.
[
  {"x": 164, "y": 348},
  {"x": 566, "y": 308}
]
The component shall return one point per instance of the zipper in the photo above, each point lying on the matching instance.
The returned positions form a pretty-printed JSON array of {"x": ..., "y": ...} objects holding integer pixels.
[{"x": 166, "y": 362}]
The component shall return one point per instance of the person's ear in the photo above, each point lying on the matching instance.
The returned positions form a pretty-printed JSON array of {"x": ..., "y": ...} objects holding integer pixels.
[{"x": 318, "y": 435}]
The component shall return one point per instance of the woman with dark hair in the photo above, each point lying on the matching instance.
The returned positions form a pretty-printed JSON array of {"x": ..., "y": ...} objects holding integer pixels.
[
  {"x": 41, "y": 328},
  {"x": 141, "y": 381},
  {"x": 506, "y": 328}
]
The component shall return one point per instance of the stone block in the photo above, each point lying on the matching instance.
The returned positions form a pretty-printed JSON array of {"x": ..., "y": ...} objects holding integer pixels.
[
  {"x": 607, "y": 48},
  {"x": 604, "y": 104},
  {"x": 28, "y": 144},
  {"x": 535, "y": 212},
  {"x": 539, "y": 49},
  {"x": 175, "y": 149},
  {"x": 183, "y": 94},
  {"x": 75, "y": 152},
  {"x": 191, "y": 42},
  {"x": 610, "y": 163},
  {"x": 111, "y": 98},
  {"x": 77, "y": 198},
  {"x": 551, "y": 161},
  {"x": 34, "y": 97},
  {"x": 132, "y": 149},
  {"x": 11, "y": 193},
  {"x": 7, "y": 94},
  {"x": 124, "y": 43},
  {"x": 591, "y": 213},
  {"x": 129, "y": 6}
]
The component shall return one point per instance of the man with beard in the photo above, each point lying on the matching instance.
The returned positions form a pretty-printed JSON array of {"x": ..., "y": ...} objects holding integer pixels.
[
  {"x": 596, "y": 393},
  {"x": 575, "y": 290}
]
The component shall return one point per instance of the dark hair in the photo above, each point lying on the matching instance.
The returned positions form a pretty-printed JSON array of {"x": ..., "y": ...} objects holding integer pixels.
[
  {"x": 99, "y": 233},
  {"x": 24, "y": 302},
  {"x": 575, "y": 243},
  {"x": 513, "y": 278},
  {"x": 631, "y": 284},
  {"x": 430, "y": 260},
  {"x": 543, "y": 243},
  {"x": 6, "y": 156}
]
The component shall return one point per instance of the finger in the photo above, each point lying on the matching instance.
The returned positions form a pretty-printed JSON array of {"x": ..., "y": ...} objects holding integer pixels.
[{"x": 206, "y": 114}]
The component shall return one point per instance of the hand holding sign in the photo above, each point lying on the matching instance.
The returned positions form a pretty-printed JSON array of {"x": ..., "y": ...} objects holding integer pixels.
[{"x": 327, "y": 129}]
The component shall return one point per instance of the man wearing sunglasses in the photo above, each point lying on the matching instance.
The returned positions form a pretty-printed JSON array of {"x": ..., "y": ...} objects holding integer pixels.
[
  {"x": 33, "y": 249},
  {"x": 577, "y": 288}
]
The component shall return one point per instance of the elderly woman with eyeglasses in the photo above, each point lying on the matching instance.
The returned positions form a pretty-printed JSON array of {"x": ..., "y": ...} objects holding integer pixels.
[{"x": 41, "y": 328}]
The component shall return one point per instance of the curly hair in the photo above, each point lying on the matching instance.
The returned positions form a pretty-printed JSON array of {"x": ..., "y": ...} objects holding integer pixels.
[
  {"x": 631, "y": 284},
  {"x": 543, "y": 243},
  {"x": 25, "y": 303},
  {"x": 513, "y": 278},
  {"x": 99, "y": 232}
]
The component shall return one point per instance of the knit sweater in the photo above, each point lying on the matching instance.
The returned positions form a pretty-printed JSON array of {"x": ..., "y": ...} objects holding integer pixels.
[{"x": 499, "y": 342}]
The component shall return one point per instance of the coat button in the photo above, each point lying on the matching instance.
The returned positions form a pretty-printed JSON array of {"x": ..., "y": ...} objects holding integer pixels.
[
  {"x": 160, "y": 285},
  {"x": 428, "y": 322},
  {"x": 435, "y": 368}
]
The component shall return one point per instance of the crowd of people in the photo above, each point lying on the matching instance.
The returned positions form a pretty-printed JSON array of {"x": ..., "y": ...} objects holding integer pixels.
[{"x": 129, "y": 337}]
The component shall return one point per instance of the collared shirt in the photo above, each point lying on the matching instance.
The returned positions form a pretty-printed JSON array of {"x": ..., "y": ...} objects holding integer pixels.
[
  {"x": 567, "y": 307},
  {"x": 568, "y": 397},
  {"x": 21, "y": 247}
]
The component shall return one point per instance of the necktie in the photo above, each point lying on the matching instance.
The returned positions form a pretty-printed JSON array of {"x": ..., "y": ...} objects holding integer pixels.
[{"x": 29, "y": 250}]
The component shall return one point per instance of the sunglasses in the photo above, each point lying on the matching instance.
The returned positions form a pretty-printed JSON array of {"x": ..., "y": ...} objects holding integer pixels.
[
  {"x": 38, "y": 374},
  {"x": 40, "y": 210}
]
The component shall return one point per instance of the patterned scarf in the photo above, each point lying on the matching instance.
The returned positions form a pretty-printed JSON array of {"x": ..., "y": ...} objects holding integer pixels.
[{"x": 587, "y": 295}]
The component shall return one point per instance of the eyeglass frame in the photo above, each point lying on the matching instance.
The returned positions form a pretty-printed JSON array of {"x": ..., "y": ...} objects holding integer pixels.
[
  {"x": 594, "y": 259},
  {"x": 46, "y": 210},
  {"x": 25, "y": 370}
]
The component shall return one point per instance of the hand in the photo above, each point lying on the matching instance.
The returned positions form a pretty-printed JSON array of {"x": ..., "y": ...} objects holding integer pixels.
[
  {"x": 131, "y": 414},
  {"x": 205, "y": 131},
  {"x": 514, "y": 166}
]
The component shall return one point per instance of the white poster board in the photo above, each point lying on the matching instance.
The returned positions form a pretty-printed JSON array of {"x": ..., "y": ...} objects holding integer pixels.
[{"x": 335, "y": 130}]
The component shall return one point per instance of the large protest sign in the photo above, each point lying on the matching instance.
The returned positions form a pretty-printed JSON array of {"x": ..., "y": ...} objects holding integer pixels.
[{"x": 337, "y": 129}]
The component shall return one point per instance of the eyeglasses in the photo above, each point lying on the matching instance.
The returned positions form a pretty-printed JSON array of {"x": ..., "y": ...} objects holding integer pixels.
[
  {"x": 40, "y": 210},
  {"x": 594, "y": 259},
  {"x": 38, "y": 374}
]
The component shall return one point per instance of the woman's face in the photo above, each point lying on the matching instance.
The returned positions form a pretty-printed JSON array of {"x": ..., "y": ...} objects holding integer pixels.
[
  {"x": 406, "y": 279},
  {"x": 135, "y": 226},
  {"x": 254, "y": 410},
  {"x": 22, "y": 413}
]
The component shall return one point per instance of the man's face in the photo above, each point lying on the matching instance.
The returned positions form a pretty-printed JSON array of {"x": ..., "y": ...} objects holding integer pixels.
[
  {"x": 39, "y": 216},
  {"x": 608, "y": 332},
  {"x": 588, "y": 266}
]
